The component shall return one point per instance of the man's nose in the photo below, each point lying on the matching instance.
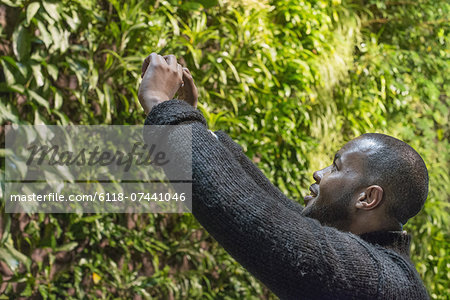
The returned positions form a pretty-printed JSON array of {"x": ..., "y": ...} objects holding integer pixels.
[{"x": 317, "y": 175}]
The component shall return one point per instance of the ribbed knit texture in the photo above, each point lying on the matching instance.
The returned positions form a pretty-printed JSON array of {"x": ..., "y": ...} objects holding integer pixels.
[{"x": 294, "y": 256}]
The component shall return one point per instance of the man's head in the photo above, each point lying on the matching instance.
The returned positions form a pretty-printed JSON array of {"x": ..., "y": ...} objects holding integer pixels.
[{"x": 376, "y": 182}]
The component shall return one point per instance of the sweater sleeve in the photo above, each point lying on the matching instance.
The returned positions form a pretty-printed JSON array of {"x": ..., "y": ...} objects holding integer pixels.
[
  {"x": 255, "y": 173},
  {"x": 292, "y": 255}
]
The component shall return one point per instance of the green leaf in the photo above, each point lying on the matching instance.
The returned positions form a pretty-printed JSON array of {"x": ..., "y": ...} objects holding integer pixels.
[
  {"x": 109, "y": 61},
  {"x": 10, "y": 60},
  {"x": 52, "y": 10},
  {"x": 6, "y": 114},
  {"x": 207, "y": 3},
  {"x": 7, "y": 227},
  {"x": 65, "y": 173},
  {"x": 44, "y": 34},
  {"x": 39, "y": 99},
  {"x": 15, "y": 3},
  {"x": 21, "y": 43},
  {"x": 109, "y": 101},
  {"x": 18, "y": 255},
  {"x": 56, "y": 36},
  {"x": 43, "y": 290},
  {"x": 9, "y": 73},
  {"x": 31, "y": 11},
  {"x": 67, "y": 247},
  {"x": 191, "y": 6},
  {"x": 58, "y": 101},
  {"x": 10, "y": 260},
  {"x": 174, "y": 23},
  {"x": 52, "y": 71},
  {"x": 233, "y": 69},
  {"x": 38, "y": 74},
  {"x": 18, "y": 164},
  {"x": 17, "y": 88},
  {"x": 27, "y": 292}
]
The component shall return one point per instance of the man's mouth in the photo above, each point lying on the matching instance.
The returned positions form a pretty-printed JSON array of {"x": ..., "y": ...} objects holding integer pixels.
[
  {"x": 313, "y": 190},
  {"x": 312, "y": 195}
]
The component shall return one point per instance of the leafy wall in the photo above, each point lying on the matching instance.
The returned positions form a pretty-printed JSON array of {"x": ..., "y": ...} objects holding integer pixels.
[{"x": 291, "y": 81}]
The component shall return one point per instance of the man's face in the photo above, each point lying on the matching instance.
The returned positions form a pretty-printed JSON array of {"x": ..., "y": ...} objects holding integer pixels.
[{"x": 337, "y": 187}]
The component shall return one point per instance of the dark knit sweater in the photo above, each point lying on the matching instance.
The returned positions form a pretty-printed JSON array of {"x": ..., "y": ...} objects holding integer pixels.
[{"x": 294, "y": 256}]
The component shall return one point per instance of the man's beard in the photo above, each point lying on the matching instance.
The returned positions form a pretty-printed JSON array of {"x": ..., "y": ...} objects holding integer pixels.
[{"x": 335, "y": 214}]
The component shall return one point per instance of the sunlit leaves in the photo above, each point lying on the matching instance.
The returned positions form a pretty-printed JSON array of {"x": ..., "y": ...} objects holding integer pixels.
[
  {"x": 21, "y": 40},
  {"x": 32, "y": 10},
  {"x": 291, "y": 81}
]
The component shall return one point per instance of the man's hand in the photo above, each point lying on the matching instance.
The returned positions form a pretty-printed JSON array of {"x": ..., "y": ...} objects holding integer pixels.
[
  {"x": 188, "y": 92},
  {"x": 161, "y": 78}
]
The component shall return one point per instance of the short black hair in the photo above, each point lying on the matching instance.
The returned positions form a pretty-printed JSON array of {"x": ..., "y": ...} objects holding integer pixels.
[{"x": 401, "y": 172}]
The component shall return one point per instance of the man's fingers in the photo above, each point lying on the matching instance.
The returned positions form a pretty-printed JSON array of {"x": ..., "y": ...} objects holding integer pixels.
[
  {"x": 160, "y": 60},
  {"x": 145, "y": 65},
  {"x": 155, "y": 59},
  {"x": 187, "y": 77},
  {"x": 152, "y": 57},
  {"x": 180, "y": 72},
  {"x": 186, "y": 71},
  {"x": 171, "y": 60}
]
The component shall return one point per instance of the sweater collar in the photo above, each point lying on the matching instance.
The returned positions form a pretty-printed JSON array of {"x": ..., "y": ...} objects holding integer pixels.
[{"x": 398, "y": 241}]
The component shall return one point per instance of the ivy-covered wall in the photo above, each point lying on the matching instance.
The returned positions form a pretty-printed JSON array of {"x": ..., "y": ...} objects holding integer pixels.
[{"x": 291, "y": 81}]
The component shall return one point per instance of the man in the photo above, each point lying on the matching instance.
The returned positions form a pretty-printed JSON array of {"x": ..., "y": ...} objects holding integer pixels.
[{"x": 346, "y": 243}]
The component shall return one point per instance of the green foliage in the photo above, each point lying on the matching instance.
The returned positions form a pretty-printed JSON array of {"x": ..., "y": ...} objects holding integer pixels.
[{"x": 290, "y": 81}]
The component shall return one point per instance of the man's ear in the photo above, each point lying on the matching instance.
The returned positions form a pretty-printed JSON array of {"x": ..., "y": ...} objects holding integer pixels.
[{"x": 370, "y": 198}]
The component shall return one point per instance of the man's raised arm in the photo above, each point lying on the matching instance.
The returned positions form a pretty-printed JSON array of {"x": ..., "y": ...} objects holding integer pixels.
[
  {"x": 189, "y": 93},
  {"x": 292, "y": 255}
]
